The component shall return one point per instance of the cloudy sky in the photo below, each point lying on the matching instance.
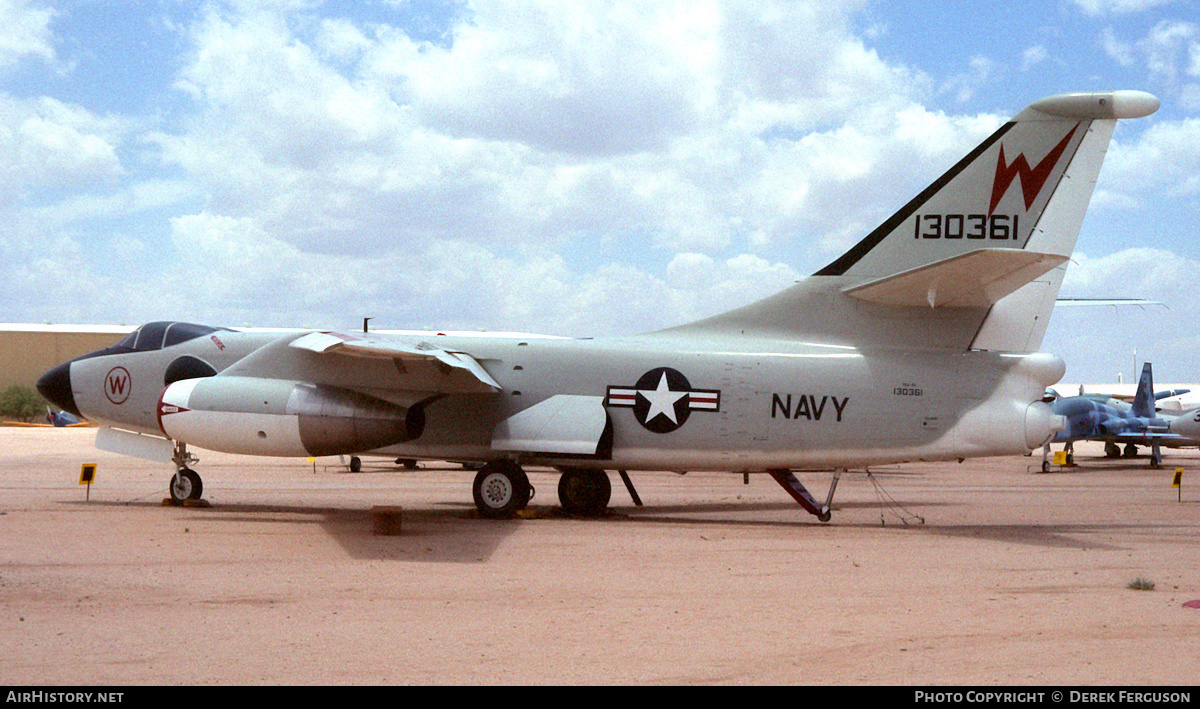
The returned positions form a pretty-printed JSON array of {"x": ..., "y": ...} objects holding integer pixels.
[{"x": 581, "y": 168}]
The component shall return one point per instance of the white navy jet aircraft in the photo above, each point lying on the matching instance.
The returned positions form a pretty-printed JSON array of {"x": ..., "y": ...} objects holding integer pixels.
[{"x": 919, "y": 343}]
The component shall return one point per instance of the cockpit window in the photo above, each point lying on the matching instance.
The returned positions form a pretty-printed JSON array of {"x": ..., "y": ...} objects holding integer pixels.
[
  {"x": 184, "y": 331},
  {"x": 157, "y": 335}
]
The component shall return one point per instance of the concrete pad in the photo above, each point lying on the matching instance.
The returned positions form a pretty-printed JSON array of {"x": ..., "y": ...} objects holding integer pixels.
[{"x": 1015, "y": 577}]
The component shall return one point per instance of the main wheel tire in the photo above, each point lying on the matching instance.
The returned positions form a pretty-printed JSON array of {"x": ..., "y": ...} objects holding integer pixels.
[
  {"x": 584, "y": 492},
  {"x": 501, "y": 489},
  {"x": 186, "y": 485}
]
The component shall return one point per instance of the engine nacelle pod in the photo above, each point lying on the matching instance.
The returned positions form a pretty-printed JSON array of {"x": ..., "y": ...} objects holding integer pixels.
[
  {"x": 1110, "y": 426},
  {"x": 278, "y": 417}
]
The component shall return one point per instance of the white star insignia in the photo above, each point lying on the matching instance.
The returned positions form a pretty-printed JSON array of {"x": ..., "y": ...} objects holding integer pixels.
[{"x": 662, "y": 400}]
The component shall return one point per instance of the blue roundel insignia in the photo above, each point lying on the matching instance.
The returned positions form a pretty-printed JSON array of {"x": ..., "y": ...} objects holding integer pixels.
[{"x": 663, "y": 399}]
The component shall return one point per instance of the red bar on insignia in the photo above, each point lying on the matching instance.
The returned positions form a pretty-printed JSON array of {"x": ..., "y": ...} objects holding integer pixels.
[
  {"x": 622, "y": 397},
  {"x": 704, "y": 399}
]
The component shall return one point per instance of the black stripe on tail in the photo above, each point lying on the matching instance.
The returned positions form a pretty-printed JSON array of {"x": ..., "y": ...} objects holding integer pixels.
[{"x": 851, "y": 257}]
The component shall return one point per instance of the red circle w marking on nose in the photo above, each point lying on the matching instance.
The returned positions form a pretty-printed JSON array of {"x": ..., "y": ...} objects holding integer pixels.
[{"x": 117, "y": 385}]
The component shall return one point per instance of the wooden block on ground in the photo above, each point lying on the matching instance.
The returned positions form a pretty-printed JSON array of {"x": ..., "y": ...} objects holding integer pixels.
[{"x": 385, "y": 519}]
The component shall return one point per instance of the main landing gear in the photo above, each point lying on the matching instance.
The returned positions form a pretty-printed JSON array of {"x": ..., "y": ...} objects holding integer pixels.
[
  {"x": 584, "y": 492},
  {"x": 1131, "y": 451},
  {"x": 1112, "y": 450},
  {"x": 1155, "y": 454},
  {"x": 502, "y": 489},
  {"x": 186, "y": 485}
]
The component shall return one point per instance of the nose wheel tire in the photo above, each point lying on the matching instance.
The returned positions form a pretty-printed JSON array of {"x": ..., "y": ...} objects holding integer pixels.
[
  {"x": 501, "y": 489},
  {"x": 186, "y": 485}
]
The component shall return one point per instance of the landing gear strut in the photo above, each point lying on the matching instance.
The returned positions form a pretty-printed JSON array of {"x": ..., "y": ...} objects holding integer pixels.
[
  {"x": 186, "y": 484},
  {"x": 796, "y": 489}
]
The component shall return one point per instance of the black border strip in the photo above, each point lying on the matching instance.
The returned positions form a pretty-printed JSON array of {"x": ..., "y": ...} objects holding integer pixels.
[{"x": 851, "y": 257}]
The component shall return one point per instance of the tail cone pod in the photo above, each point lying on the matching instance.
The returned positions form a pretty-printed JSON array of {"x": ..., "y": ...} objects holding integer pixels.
[
  {"x": 1041, "y": 423},
  {"x": 281, "y": 417}
]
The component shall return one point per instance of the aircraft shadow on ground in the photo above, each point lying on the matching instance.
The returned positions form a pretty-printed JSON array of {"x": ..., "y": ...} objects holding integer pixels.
[
  {"x": 1051, "y": 536},
  {"x": 454, "y": 533},
  {"x": 1060, "y": 536}
]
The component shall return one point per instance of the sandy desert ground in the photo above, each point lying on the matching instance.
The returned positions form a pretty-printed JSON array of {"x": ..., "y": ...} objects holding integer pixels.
[{"x": 1014, "y": 577}]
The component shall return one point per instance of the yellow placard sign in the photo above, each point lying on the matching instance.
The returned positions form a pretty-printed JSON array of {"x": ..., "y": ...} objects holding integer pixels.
[
  {"x": 87, "y": 474},
  {"x": 1178, "y": 481}
]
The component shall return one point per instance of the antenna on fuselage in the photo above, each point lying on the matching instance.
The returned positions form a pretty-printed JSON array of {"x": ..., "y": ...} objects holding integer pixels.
[{"x": 365, "y": 321}]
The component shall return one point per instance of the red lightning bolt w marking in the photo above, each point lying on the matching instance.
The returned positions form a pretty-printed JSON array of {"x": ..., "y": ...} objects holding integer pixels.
[{"x": 1032, "y": 179}]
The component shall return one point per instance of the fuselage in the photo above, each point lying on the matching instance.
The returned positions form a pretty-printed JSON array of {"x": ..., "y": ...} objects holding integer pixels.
[{"x": 677, "y": 403}]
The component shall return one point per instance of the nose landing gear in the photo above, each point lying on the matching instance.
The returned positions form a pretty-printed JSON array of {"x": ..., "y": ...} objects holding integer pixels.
[{"x": 186, "y": 487}]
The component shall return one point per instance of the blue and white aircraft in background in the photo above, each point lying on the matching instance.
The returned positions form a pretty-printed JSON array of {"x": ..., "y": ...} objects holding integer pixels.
[{"x": 1100, "y": 417}]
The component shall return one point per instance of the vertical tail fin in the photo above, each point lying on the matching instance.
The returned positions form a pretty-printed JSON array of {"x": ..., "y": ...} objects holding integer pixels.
[
  {"x": 984, "y": 246},
  {"x": 1143, "y": 398},
  {"x": 999, "y": 194}
]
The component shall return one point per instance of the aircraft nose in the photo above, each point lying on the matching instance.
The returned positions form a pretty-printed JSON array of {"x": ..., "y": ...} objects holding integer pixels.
[{"x": 55, "y": 386}]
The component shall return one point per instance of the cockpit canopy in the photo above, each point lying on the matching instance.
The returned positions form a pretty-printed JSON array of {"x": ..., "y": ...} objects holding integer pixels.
[{"x": 157, "y": 335}]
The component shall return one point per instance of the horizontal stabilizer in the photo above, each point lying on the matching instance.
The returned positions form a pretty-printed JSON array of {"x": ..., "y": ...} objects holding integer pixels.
[{"x": 975, "y": 279}]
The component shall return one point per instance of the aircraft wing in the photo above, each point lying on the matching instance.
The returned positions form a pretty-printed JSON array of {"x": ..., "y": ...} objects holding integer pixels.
[
  {"x": 1147, "y": 435},
  {"x": 1091, "y": 302},
  {"x": 975, "y": 279},
  {"x": 333, "y": 345}
]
